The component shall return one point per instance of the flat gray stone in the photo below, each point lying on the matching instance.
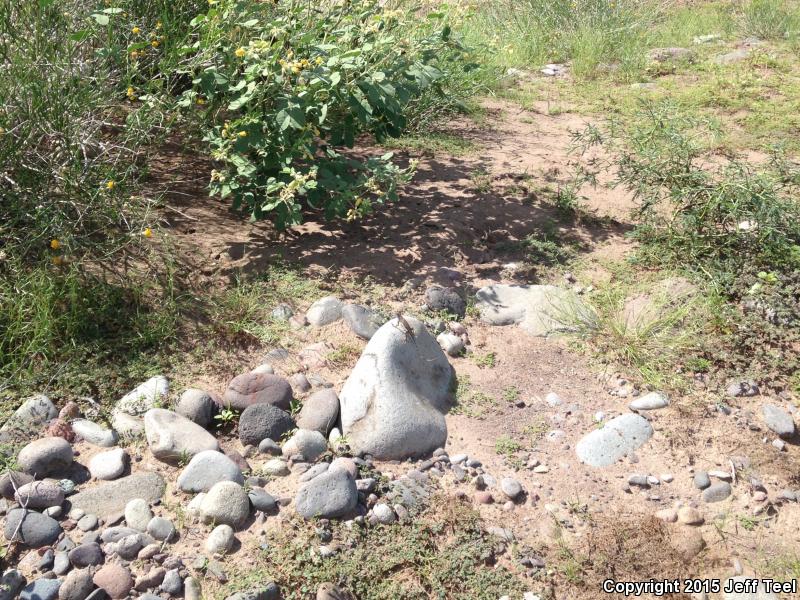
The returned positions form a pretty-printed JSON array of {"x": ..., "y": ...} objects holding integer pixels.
[
  {"x": 717, "y": 492},
  {"x": 329, "y": 495},
  {"x": 541, "y": 310},
  {"x": 111, "y": 497},
  {"x": 207, "y": 468},
  {"x": 40, "y": 494},
  {"x": 94, "y": 433},
  {"x": 361, "y": 320},
  {"x": 778, "y": 420},
  {"x": 46, "y": 456},
  {"x": 320, "y": 411},
  {"x": 651, "y": 401},
  {"x": 392, "y": 405},
  {"x": 173, "y": 437},
  {"x": 616, "y": 439},
  {"x": 324, "y": 311}
]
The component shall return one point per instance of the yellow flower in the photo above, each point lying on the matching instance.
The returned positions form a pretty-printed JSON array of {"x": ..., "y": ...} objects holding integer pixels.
[
  {"x": 147, "y": 232},
  {"x": 242, "y": 134},
  {"x": 295, "y": 70},
  {"x": 201, "y": 101},
  {"x": 136, "y": 30},
  {"x": 158, "y": 24},
  {"x": 131, "y": 93},
  {"x": 110, "y": 184},
  {"x": 240, "y": 52},
  {"x": 319, "y": 60},
  {"x": 154, "y": 43},
  {"x": 57, "y": 260},
  {"x": 55, "y": 244}
]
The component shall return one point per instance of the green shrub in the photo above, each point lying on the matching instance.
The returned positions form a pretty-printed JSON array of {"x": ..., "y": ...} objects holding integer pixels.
[
  {"x": 721, "y": 218},
  {"x": 770, "y": 19},
  {"x": 283, "y": 87}
]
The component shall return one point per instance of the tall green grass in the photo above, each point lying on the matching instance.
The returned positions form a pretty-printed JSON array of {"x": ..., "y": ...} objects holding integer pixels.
[{"x": 610, "y": 38}]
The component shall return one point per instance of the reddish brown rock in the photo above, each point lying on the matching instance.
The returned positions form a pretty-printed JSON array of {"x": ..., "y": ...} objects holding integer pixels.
[
  {"x": 115, "y": 579},
  {"x": 257, "y": 388}
]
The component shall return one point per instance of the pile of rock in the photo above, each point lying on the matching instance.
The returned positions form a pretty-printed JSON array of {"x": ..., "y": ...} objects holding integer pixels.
[{"x": 96, "y": 527}]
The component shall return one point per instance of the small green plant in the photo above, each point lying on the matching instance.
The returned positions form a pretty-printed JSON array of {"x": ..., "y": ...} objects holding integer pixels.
[
  {"x": 747, "y": 522},
  {"x": 226, "y": 417},
  {"x": 506, "y": 446},
  {"x": 536, "y": 431},
  {"x": 511, "y": 394},
  {"x": 485, "y": 361}
]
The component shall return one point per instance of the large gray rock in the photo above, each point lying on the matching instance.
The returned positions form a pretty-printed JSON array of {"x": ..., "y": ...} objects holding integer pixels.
[
  {"x": 778, "y": 420},
  {"x": 261, "y": 421},
  {"x": 540, "y": 310},
  {"x": 257, "y": 388},
  {"x": 324, "y": 311},
  {"x": 361, "y": 320},
  {"x": 392, "y": 404},
  {"x": 207, "y": 468},
  {"x": 197, "y": 405},
  {"x": 329, "y": 495},
  {"x": 226, "y": 503},
  {"x": 320, "y": 411},
  {"x": 31, "y": 528},
  {"x": 46, "y": 456},
  {"x": 172, "y": 437},
  {"x": 617, "y": 438},
  {"x": 110, "y": 498},
  {"x": 310, "y": 444},
  {"x": 28, "y": 419},
  {"x": 94, "y": 433}
]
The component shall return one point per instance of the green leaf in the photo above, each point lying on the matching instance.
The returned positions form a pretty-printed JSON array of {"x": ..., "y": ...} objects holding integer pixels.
[
  {"x": 101, "y": 19},
  {"x": 112, "y": 11},
  {"x": 291, "y": 117},
  {"x": 336, "y": 77}
]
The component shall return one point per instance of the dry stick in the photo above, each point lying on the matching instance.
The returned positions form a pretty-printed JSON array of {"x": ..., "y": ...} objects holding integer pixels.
[{"x": 23, "y": 504}]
